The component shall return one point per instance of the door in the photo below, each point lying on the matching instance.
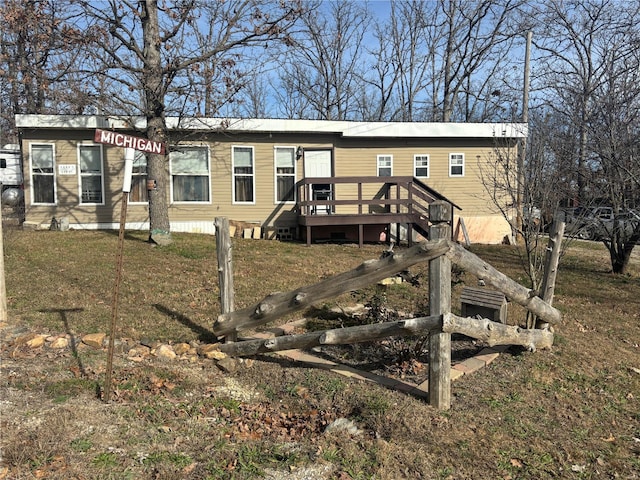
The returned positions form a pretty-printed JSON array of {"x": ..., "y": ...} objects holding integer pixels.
[{"x": 317, "y": 163}]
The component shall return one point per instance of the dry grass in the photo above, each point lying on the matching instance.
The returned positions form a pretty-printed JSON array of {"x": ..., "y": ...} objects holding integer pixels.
[{"x": 571, "y": 412}]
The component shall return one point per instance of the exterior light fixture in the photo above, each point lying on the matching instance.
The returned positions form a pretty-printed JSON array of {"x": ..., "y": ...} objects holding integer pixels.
[{"x": 299, "y": 152}]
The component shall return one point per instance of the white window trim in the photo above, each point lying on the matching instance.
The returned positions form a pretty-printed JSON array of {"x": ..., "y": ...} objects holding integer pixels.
[
  {"x": 416, "y": 166},
  {"x": 451, "y": 165},
  {"x": 55, "y": 179},
  {"x": 233, "y": 175},
  {"x": 378, "y": 164},
  {"x": 134, "y": 175},
  {"x": 186, "y": 202},
  {"x": 275, "y": 175},
  {"x": 90, "y": 144}
]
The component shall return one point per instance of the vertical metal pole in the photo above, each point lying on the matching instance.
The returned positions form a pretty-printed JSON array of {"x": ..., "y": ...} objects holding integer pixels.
[
  {"x": 128, "y": 167},
  {"x": 3, "y": 286}
]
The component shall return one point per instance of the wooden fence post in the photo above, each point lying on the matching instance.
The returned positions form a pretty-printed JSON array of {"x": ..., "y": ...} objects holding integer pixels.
[
  {"x": 225, "y": 269},
  {"x": 440, "y": 303},
  {"x": 552, "y": 259}
]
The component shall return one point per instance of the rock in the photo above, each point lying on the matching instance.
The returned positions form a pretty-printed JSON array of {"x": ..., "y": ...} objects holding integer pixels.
[
  {"x": 227, "y": 364},
  {"x": 210, "y": 350},
  {"x": 161, "y": 238},
  {"x": 165, "y": 352},
  {"x": 343, "y": 425},
  {"x": 24, "y": 339},
  {"x": 139, "y": 351},
  {"x": 390, "y": 281},
  {"x": 59, "y": 343},
  {"x": 36, "y": 342},
  {"x": 94, "y": 340},
  {"x": 181, "y": 348}
]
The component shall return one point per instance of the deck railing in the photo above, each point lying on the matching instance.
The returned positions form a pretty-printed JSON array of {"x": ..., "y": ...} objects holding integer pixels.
[{"x": 364, "y": 195}]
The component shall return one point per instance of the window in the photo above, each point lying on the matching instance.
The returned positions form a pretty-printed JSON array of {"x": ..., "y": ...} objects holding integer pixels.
[
  {"x": 456, "y": 164},
  {"x": 190, "y": 174},
  {"x": 90, "y": 157},
  {"x": 138, "y": 193},
  {"x": 421, "y": 166},
  {"x": 243, "y": 175},
  {"x": 42, "y": 174},
  {"x": 285, "y": 158},
  {"x": 385, "y": 165}
]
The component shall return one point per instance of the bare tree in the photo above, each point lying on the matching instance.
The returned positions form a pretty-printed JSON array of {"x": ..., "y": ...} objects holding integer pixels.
[
  {"x": 40, "y": 60},
  {"x": 163, "y": 65},
  {"x": 615, "y": 142},
  {"x": 323, "y": 68},
  {"x": 473, "y": 38},
  {"x": 588, "y": 54}
]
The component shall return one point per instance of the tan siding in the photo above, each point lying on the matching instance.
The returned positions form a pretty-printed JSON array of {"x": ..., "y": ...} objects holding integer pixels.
[{"x": 351, "y": 158}]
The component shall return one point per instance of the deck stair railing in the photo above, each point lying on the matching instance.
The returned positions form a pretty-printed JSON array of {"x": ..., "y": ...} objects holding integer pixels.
[{"x": 406, "y": 197}]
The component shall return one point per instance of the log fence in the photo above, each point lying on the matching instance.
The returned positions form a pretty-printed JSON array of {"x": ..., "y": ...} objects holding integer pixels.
[{"x": 440, "y": 252}]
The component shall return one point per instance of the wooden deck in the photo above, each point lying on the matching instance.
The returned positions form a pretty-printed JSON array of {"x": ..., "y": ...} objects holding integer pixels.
[{"x": 374, "y": 201}]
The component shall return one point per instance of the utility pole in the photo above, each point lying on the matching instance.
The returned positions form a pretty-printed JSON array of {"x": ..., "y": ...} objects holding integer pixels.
[{"x": 523, "y": 143}]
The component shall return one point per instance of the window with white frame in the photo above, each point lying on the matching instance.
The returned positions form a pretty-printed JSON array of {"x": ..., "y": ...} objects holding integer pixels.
[
  {"x": 285, "y": 160},
  {"x": 190, "y": 174},
  {"x": 421, "y": 166},
  {"x": 43, "y": 174},
  {"x": 91, "y": 178},
  {"x": 385, "y": 165},
  {"x": 456, "y": 164},
  {"x": 243, "y": 175},
  {"x": 138, "y": 193}
]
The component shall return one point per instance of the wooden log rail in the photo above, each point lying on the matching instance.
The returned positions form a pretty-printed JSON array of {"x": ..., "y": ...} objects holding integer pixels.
[
  {"x": 279, "y": 304},
  {"x": 493, "y": 333},
  {"x": 512, "y": 290}
]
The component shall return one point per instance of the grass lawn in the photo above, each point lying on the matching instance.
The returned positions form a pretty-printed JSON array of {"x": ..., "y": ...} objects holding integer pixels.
[{"x": 569, "y": 412}]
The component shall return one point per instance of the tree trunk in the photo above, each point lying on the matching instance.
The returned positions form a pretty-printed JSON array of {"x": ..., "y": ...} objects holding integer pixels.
[
  {"x": 552, "y": 260},
  {"x": 621, "y": 254},
  {"x": 157, "y": 167}
]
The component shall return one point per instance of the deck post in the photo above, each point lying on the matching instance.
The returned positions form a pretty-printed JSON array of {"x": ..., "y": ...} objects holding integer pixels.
[{"x": 440, "y": 303}]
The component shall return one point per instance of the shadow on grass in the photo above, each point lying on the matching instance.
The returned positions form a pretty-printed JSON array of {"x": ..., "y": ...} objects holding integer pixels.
[
  {"x": 63, "y": 312},
  {"x": 204, "y": 335}
]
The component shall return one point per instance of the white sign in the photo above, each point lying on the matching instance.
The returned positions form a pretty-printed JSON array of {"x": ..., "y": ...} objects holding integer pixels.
[
  {"x": 128, "y": 141},
  {"x": 67, "y": 169}
]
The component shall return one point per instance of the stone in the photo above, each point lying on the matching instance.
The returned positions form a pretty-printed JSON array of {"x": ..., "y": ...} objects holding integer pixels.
[
  {"x": 343, "y": 425},
  {"x": 36, "y": 342},
  {"x": 227, "y": 364},
  {"x": 24, "y": 339},
  {"x": 161, "y": 238},
  {"x": 165, "y": 352},
  {"x": 390, "y": 281},
  {"x": 94, "y": 340},
  {"x": 59, "y": 343},
  {"x": 210, "y": 350},
  {"x": 139, "y": 351},
  {"x": 181, "y": 348}
]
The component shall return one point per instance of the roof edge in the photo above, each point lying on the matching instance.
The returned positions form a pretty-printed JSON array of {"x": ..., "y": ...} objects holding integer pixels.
[{"x": 348, "y": 129}]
